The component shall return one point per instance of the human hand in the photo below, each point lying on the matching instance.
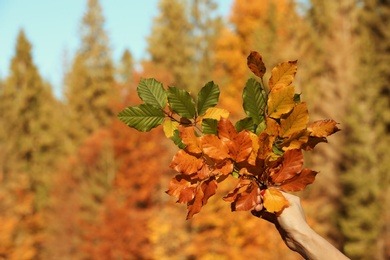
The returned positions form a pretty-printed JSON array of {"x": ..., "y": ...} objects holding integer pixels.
[{"x": 296, "y": 233}]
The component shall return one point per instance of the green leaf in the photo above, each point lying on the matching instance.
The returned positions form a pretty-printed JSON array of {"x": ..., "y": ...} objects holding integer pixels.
[
  {"x": 207, "y": 97},
  {"x": 245, "y": 123},
  {"x": 297, "y": 98},
  {"x": 261, "y": 127},
  {"x": 181, "y": 102},
  {"x": 210, "y": 126},
  {"x": 278, "y": 151},
  {"x": 254, "y": 100},
  {"x": 143, "y": 117},
  {"x": 177, "y": 140},
  {"x": 152, "y": 92},
  {"x": 235, "y": 174}
]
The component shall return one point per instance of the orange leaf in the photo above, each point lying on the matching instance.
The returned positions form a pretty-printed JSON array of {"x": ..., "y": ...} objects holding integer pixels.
[
  {"x": 300, "y": 181},
  {"x": 291, "y": 165},
  {"x": 265, "y": 145},
  {"x": 244, "y": 196},
  {"x": 323, "y": 128},
  {"x": 187, "y": 134},
  {"x": 177, "y": 184},
  {"x": 186, "y": 195},
  {"x": 295, "y": 141},
  {"x": 296, "y": 121},
  {"x": 224, "y": 167},
  {"x": 255, "y": 64},
  {"x": 209, "y": 188},
  {"x": 241, "y": 146},
  {"x": 274, "y": 201},
  {"x": 226, "y": 130},
  {"x": 283, "y": 74},
  {"x": 185, "y": 163},
  {"x": 213, "y": 147},
  {"x": 272, "y": 127},
  {"x": 196, "y": 204},
  {"x": 312, "y": 142},
  {"x": 280, "y": 101}
]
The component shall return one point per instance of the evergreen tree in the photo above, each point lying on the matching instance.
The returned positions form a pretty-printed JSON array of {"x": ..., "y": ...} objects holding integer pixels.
[
  {"x": 90, "y": 81},
  {"x": 30, "y": 137},
  {"x": 126, "y": 67},
  {"x": 365, "y": 180},
  {"x": 169, "y": 43}
]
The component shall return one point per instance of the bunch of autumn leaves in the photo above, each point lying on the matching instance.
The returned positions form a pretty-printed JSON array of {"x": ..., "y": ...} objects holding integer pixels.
[{"x": 265, "y": 162}]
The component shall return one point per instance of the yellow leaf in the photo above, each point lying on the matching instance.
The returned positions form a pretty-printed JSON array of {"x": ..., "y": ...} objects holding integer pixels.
[
  {"x": 283, "y": 74},
  {"x": 169, "y": 127},
  {"x": 296, "y": 140},
  {"x": 216, "y": 113},
  {"x": 296, "y": 121},
  {"x": 280, "y": 101},
  {"x": 274, "y": 201}
]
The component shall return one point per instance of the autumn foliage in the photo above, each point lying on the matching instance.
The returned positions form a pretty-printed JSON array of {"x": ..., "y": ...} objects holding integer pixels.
[{"x": 263, "y": 150}]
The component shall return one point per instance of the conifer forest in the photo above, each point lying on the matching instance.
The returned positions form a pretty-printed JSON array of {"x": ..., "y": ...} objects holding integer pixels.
[{"x": 77, "y": 183}]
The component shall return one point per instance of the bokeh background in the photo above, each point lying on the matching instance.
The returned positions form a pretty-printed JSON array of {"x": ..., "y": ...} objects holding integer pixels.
[{"x": 76, "y": 183}]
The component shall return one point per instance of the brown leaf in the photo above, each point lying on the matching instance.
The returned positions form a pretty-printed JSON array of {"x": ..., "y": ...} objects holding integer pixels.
[
  {"x": 224, "y": 167},
  {"x": 291, "y": 165},
  {"x": 295, "y": 141},
  {"x": 187, "y": 134},
  {"x": 265, "y": 145},
  {"x": 296, "y": 121},
  {"x": 323, "y": 128},
  {"x": 196, "y": 204},
  {"x": 185, "y": 163},
  {"x": 255, "y": 64},
  {"x": 226, "y": 130},
  {"x": 178, "y": 183},
  {"x": 213, "y": 147},
  {"x": 241, "y": 186},
  {"x": 241, "y": 146},
  {"x": 283, "y": 74},
  {"x": 209, "y": 188},
  {"x": 312, "y": 142},
  {"x": 244, "y": 196},
  {"x": 300, "y": 181},
  {"x": 186, "y": 195}
]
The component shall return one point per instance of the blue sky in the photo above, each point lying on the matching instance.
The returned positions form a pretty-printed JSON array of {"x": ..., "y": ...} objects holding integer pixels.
[{"x": 52, "y": 27}]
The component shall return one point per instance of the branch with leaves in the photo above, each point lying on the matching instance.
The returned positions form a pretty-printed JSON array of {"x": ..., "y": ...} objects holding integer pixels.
[{"x": 263, "y": 150}]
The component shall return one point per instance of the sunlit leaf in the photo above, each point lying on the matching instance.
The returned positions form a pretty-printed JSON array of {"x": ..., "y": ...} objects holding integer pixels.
[
  {"x": 274, "y": 201},
  {"x": 323, "y": 128},
  {"x": 152, "y": 92},
  {"x": 296, "y": 140},
  {"x": 181, "y": 102},
  {"x": 216, "y": 113},
  {"x": 207, "y": 97},
  {"x": 280, "y": 101},
  {"x": 196, "y": 204},
  {"x": 299, "y": 181},
  {"x": 177, "y": 140},
  {"x": 185, "y": 163},
  {"x": 255, "y": 64},
  {"x": 213, "y": 147},
  {"x": 241, "y": 146},
  {"x": 291, "y": 166},
  {"x": 177, "y": 184},
  {"x": 226, "y": 130},
  {"x": 283, "y": 74},
  {"x": 187, "y": 134},
  {"x": 169, "y": 127},
  {"x": 209, "y": 188},
  {"x": 265, "y": 145},
  {"x": 254, "y": 100},
  {"x": 142, "y": 117},
  {"x": 296, "y": 120},
  {"x": 273, "y": 127}
]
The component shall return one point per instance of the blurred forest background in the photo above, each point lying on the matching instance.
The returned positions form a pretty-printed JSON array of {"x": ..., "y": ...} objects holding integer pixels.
[{"x": 76, "y": 183}]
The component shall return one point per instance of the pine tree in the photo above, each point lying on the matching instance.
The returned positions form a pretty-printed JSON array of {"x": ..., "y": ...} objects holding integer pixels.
[
  {"x": 30, "y": 139},
  {"x": 90, "y": 81},
  {"x": 126, "y": 67},
  {"x": 365, "y": 178},
  {"x": 169, "y": 44}
]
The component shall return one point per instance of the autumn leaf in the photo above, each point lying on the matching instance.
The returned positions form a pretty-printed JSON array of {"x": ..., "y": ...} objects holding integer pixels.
[
  {"x": 169, "y": 127},
  {"x": 216, "y": 113},
  {"x": 283, "y": 74},
  {"x": 312, "y": 142},
  {"x": 196, "y": 204},
  {"x": 187, "y": 134},
  {"x": 209, "y": 188},
  {"x": 244, "y": 196},
  {"x": 273, "y": 127},
  {"x": 213, "y": 147},
  {"x": 185, "y": 163},
  {"x": 274, "y": 201},
  {"x": 176, "y": 185},
  {"x": 296, "y": 120},
  {"x": 296, "y": 140},
  {"x": 241, "y": 146},
  {"x": 255, "y": 64},
  {"x": 226, "y": 130},
  {"x": 186, "y": 194},
  {"x": 265, "y": 145},
  {"x": 291, "y": 165},
  {"x": 299, "y": 181},
  {"x": 323, "y": 128},
  {"x": 280, "y": 101}
]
